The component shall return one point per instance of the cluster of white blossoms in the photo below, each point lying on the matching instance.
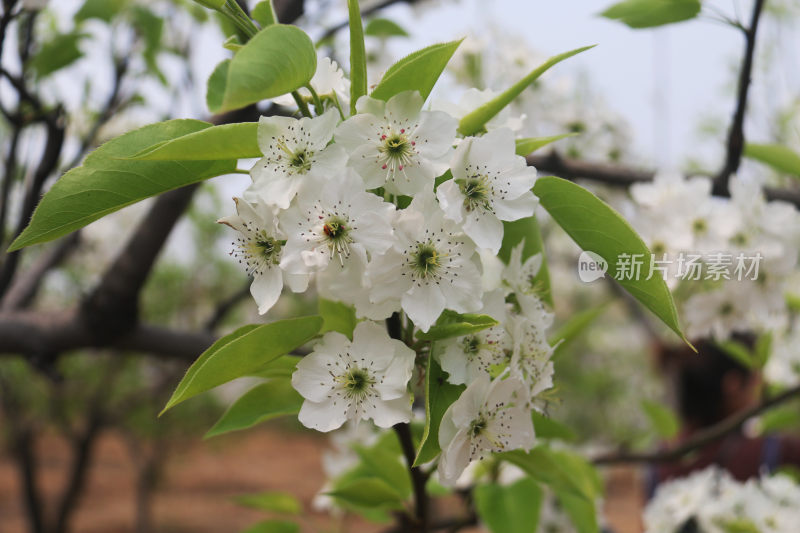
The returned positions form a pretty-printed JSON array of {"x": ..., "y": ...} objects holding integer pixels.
[
  {"x": 743, "y": 236},
  {"x": 713, "y": 502},
  {"x": 391, "y": 212}
]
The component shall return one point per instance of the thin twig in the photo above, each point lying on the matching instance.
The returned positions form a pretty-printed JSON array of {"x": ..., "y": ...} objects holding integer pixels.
[
  {"x": 735, "y": 147},
  {"x": 701, "y": 438},
  {"x": 622, "y": 176},
  {"x": 225, "y": 306}
]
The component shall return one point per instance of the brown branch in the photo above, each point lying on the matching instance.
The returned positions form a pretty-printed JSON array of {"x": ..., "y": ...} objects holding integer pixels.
[
  {"x": 701, "y": 438},
  {"x": 48, "y": 163},
  {"x": 418, "y": 478},
  {"x": 622, "y": 176},
  {"x": 25, "y": 286},
  {"x": 735, "y": 147},
  {"x": 365, "y": 12},
  {"x": 225, "y": 306},
  {"x": 43, "y": 336}
]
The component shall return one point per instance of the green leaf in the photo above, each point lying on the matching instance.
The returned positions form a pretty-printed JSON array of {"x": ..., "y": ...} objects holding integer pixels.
[
  {"x": 531, "y": 144},
  {"x": 561, "y": 471},
  {"x": 452, "y": 324},
  {"x": 368, "y": 492},
  {"x": 228, "y": 141},
  {"x": 582, "y": 512},
  {"x": 151, "y": 27},
  {"x": 782, "y": 418},
  {"x": 509, "y": 509},
  {"x": 282, "y": 367},
  {"x": 273, "y": 501},
  {"x": 573, "y": 328},
  {"x": 108, "y": 181},
  {"x": 99, "y": 9},
  {"x": 738, "y": 352},
  {"x": 387, "y": 466},
  {"x": 384, "y": 28},
  {"x": 650, "y": 13},
  {"x": 763, "y": 349},
  {"x": 528, "y": 229},
  {"x": 277, "y": 60},
  {"x": 779, "y": 157},
  {"x": 547, "y": 428},
  {"x": 337, "y": 316},
  {"x": 215, "y": 90},
  {"x": 358, "y": 56},
  {"x": 418, "y": 71},
  {"x": 261, "y": 403},
  {"x": 274, "y": 526},
  {"x": 59, "y": 52},
  {"x": 663, "y": 419},
  {"x": 473, "y": 122},
  {"x": 264, "y": 14},
  {"x": 242, "y": 352},
  {"x": 597, "y": 228},
  {"x": 440, "y": 394}
]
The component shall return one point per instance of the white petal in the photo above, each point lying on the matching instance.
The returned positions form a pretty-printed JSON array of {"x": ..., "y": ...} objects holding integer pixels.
[
  {"x": 274, "y": 189},
  {"x": 451, "y": 200},
  {"x": 385, "y": 414},
  {"x": 485, "y": 230},
  {"x": 515, "y": 209},
  {"x": 453, "y": 360},
  {"x": 321, "y": 129},
  {"x": 455, "y": 458},
  {"x": 266, "y": 288},
  {"x": 423, "y": 304},
  {"x": 404, "y": 105},
  {"x": 322, "y": 416}
]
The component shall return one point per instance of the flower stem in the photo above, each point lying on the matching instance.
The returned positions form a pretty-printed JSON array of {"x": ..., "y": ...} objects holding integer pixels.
[
  {"x": 419, "y": 478},
  {"x": 301, "y": 104},
  {"x": 317, "y": 102},
  {"x": 233, "y": 11}
]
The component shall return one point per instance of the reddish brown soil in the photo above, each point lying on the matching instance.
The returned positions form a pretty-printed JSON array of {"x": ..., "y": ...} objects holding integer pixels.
[{"x": 194, "y": 493}]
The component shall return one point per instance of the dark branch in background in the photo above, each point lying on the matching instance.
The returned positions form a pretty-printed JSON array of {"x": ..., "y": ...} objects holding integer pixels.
[
  {"x": 226, "y": 306},
  {"x": 48, "y": 163},
  {"x": 112, "y": 105},
  {"x": 42, "y": 337},
  {"x": 736, "y": 134},
  {"x": 622, "y": 176},
  {"x": 365, "y": 12},
  {"x": 26, "y": 285},
  {"x": 701, "y": 438}
]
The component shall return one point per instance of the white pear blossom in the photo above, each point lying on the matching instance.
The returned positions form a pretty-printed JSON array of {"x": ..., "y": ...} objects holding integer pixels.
[
  {"x": 715, "y": 503},
  {"x": 432, "y": 266},
  {"x": 530, "y": 361},
  {"x": 783, "y": 365},
  {"x": 295, "y": 150},
  {"x": 491, "y": 183},
  {"x": 331, "y": 220},
  {"x": 471, "y": 100},
  {"x": 259, "y": 249},
  {"x": 397, "y": 145},
  {"x": 366, "y": 378},
  {"x": 467, "y": 357},
  {"x": 489, "y": 416},
  {"x": 328, "y": 82}
]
